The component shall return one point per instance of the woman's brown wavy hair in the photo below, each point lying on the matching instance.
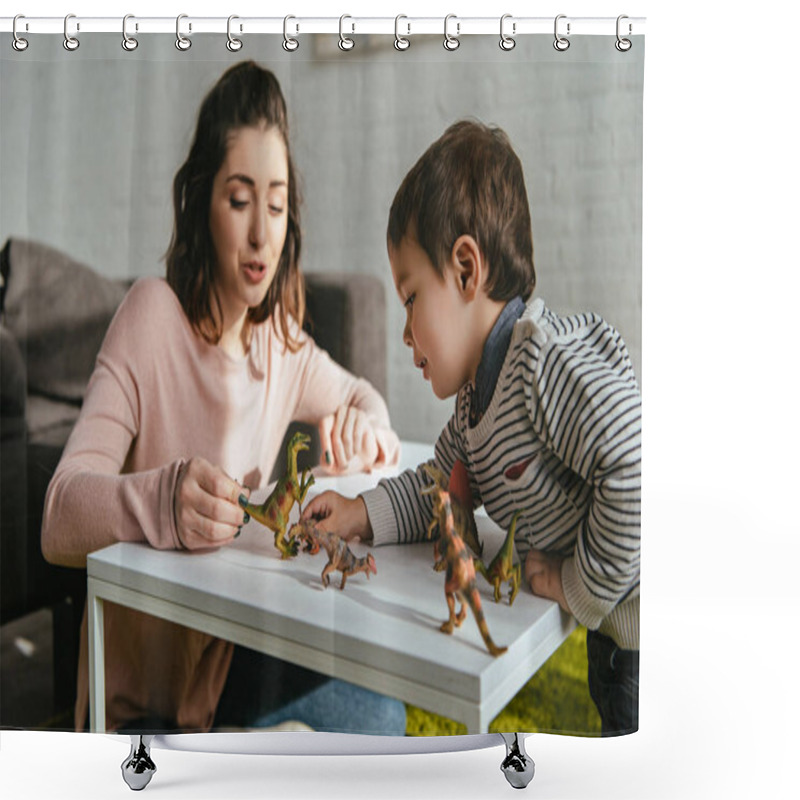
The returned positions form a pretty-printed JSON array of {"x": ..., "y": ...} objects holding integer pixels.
[{"x": 246, "y": 95}]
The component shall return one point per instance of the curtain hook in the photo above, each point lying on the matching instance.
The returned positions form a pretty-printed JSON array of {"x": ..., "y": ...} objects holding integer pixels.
[
  {"x": 181, "y": 42},
  {"x": 507, "y": 42},
  {"x": 623, "y": 45},
  {"x": 345, "y": 43},
  {"x": 70, "y": 42},
  {"x": 451, "y": 42},
  {"x": 129, "y": 43},
  {"x": 400, "y": 42},
  {"x": 561, "y": 43},
  {"x": 233, "y": 44},
  {"x": 18, "y": 43},
  {"x": 290, "y": 44}
]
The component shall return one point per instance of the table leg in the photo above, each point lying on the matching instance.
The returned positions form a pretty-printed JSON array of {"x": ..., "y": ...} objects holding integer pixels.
[{"x": 97, "y": 672}]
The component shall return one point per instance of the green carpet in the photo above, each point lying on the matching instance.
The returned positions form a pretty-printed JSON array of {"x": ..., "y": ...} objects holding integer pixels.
[{"x": 555, "y": 700}]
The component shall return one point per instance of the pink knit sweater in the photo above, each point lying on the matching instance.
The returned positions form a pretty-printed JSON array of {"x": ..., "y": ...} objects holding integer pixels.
[{"x": 160, "y": 395}]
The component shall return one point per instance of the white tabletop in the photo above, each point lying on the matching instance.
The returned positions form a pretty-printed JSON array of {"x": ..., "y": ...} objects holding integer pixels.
[{"x": 381, "y": 632}]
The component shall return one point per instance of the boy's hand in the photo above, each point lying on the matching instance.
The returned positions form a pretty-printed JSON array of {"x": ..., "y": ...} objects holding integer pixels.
[
  {"x": 345, "y": 436},
  {"x": 543, "y": 574},
  {"x": 344, "y": 516}
]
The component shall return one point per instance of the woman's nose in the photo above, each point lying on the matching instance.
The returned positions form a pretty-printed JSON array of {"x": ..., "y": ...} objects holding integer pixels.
[{"x": 258, "y": 229}]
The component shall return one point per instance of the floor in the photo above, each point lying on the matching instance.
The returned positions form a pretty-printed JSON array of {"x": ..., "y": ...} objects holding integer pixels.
[{"x": 26, "y": 675}]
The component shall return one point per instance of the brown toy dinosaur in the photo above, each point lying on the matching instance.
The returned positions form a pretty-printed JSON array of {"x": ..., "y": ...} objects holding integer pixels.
[
  {"x": 274, "y": 511},
  {"x": 340, "y": 556},
  {"x": 461, "y": 502},
  {"x": 502, "y": 567},
  {"x": 460, "y": 576}
]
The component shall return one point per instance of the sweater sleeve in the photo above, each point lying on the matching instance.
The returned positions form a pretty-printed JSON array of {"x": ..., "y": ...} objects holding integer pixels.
[
  {"x": 586, "y": 406},
  {"x": 398, "y": 511},
  {"x": 324, "y": 385},
  {"x": 91, "y": 502}
]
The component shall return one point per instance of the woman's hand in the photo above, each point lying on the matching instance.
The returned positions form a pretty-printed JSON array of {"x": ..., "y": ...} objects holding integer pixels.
[
  {"x": 344, "y": 516},
  {"x": 347, "y": 441},
  {"x": 543, "y": 575},
  {"x": 207, "y": 511}
]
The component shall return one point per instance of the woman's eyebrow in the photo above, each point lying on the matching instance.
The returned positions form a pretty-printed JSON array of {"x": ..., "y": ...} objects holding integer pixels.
[{"x": 250, "y": 182}]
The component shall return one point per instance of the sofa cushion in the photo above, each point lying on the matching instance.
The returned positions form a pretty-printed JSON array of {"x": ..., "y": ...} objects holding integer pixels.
[{"x": 58, "y": 311}]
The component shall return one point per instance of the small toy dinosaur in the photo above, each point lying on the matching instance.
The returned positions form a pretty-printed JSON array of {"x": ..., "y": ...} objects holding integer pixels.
[
  {"x": 460, "y": 576},
  {"x": 461, "y": 502},
  {"x": 340, "y": 556},
  {"x": 502, "y": 567},
  {"x": 274, "y": 511}
]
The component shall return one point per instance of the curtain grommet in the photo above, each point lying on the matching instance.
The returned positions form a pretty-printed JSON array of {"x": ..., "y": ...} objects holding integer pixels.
[
  {"x": 345, "y": 43},
  {"x": 451, "y": 42},
  {"x": 71, "y": 43},
  {"x": 233, "y": 44},
  {"x": 561, "y": 43},
  {"x": 181, "y": 42},
  {"x": 17, "y": 42},
  {"x": 507, "y": 42},
  {"x": 401, "y": 43},
  {"x": 129, "y": 43},
  {"x": 623, "y": 45},
  {"x": 290, "y": 44}
]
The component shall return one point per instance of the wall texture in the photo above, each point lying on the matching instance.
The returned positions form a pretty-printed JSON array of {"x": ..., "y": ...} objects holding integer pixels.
[{"x": 90, "y": 141}]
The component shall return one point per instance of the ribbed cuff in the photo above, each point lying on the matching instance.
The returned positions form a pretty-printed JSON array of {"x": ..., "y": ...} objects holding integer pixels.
[
  {"x": 582, "y": 604},
  {"x": 169, "y": 487},
  {"x": 381, "y": 516}
]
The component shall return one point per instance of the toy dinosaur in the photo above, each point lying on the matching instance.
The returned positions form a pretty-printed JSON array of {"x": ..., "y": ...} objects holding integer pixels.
[
  {"x": 461, "y": 502},
  {"x": 340, "y": 556},
  {"x": 460, "y": 576},
  {"x": 502, "y": 567},
  {"x": 274, "y": 511}
]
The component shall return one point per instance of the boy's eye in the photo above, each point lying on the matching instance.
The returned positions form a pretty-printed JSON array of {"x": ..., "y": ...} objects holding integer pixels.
[{"x": 409, "y": 301}]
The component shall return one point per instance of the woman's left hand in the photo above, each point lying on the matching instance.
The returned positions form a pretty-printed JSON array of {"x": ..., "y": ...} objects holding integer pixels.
[
  {"x": 347, "y": 435},
  {"x": 543, "y": 575}
]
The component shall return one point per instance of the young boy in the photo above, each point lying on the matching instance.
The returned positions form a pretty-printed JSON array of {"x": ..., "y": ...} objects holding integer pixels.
[{"x": 547, "y": 411}]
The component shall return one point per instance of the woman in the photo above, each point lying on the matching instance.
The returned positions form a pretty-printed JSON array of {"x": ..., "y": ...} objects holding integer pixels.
[{"x": 195, "y": 384}]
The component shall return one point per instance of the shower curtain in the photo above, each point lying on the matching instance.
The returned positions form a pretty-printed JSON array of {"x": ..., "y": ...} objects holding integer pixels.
[{"x": 90, "y": 142}]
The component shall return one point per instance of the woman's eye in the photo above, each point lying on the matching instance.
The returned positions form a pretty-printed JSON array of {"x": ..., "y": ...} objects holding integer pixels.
[
  {"x": 276, "y": 209},
  {"x": 238, "y": 203}
]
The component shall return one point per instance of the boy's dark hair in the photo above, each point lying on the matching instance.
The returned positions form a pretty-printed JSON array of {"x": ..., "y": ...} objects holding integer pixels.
[
  {"x": 244, "y": 96},
  {"x": 470, "y": 181}
]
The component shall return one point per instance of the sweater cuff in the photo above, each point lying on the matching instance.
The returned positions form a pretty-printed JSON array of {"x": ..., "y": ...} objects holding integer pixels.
[
  {"x": 168, "y": 488},
  {"x": 582, "y": 604},
  {"x": 381, "y": 516}
]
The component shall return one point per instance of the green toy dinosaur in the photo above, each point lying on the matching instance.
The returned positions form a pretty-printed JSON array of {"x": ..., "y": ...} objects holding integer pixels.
[
  {"x": 502, "y": 567},
  {"x": 274, "y": 511}
]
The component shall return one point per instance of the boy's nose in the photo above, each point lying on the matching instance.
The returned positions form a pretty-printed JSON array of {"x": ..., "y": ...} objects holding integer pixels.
[{"x": 407, "y": 334}]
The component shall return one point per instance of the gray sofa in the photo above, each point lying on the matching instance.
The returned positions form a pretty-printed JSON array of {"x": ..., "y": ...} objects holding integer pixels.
[{"x": 55, "y": 312}]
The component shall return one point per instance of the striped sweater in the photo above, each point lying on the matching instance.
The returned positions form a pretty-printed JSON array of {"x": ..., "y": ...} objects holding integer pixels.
[{"x": 560, "y": 440}]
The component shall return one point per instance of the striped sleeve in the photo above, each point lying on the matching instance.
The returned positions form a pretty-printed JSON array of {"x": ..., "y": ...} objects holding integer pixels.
[
  {"x": 398, "y": 511},
  {"x": 585, "y": 404}
]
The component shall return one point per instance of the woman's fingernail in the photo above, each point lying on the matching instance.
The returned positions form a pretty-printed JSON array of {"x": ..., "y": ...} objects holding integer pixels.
[
  {"x": 238, "y": 532},
  {"x": 327, "y": 456},
  {"x": 243, "y": 500},
  {"x": 246, "y": 518}
]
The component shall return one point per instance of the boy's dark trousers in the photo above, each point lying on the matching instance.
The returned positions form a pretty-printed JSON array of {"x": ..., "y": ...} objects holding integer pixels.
[{"x": 613, "y": 684}]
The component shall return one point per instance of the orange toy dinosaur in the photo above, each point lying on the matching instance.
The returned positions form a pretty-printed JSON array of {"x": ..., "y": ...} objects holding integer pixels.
[
  {"x": 460, "y": 576},
  {"x": 340, "y": 556}
]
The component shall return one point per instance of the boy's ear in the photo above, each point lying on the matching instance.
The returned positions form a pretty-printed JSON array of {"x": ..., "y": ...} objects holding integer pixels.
[{"x": 470, "y": 268}]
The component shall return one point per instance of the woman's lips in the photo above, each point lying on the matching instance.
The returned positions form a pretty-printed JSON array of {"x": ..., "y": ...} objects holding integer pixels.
[{"x": 255, "y": 272}]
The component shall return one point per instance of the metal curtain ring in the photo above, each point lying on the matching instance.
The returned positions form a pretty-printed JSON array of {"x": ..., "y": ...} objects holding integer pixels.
[
  {"x": 623, "y": 45},
  {"x": 18, "y": 43},
  {"x": 233, "y": 44},
  {"x": 507, "y": 42},
  {"x": 129, "y": 43},
  {"x": 289, "y": 43},
  {"x": 70, "y": 42},
  {"x": 561, "y": 43},
  {"x": 400, "y": 42},
  {"x": 451, "y": 42},
  {"x": 344, "y": 42},
  {"x": 181, "y": 42}
]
